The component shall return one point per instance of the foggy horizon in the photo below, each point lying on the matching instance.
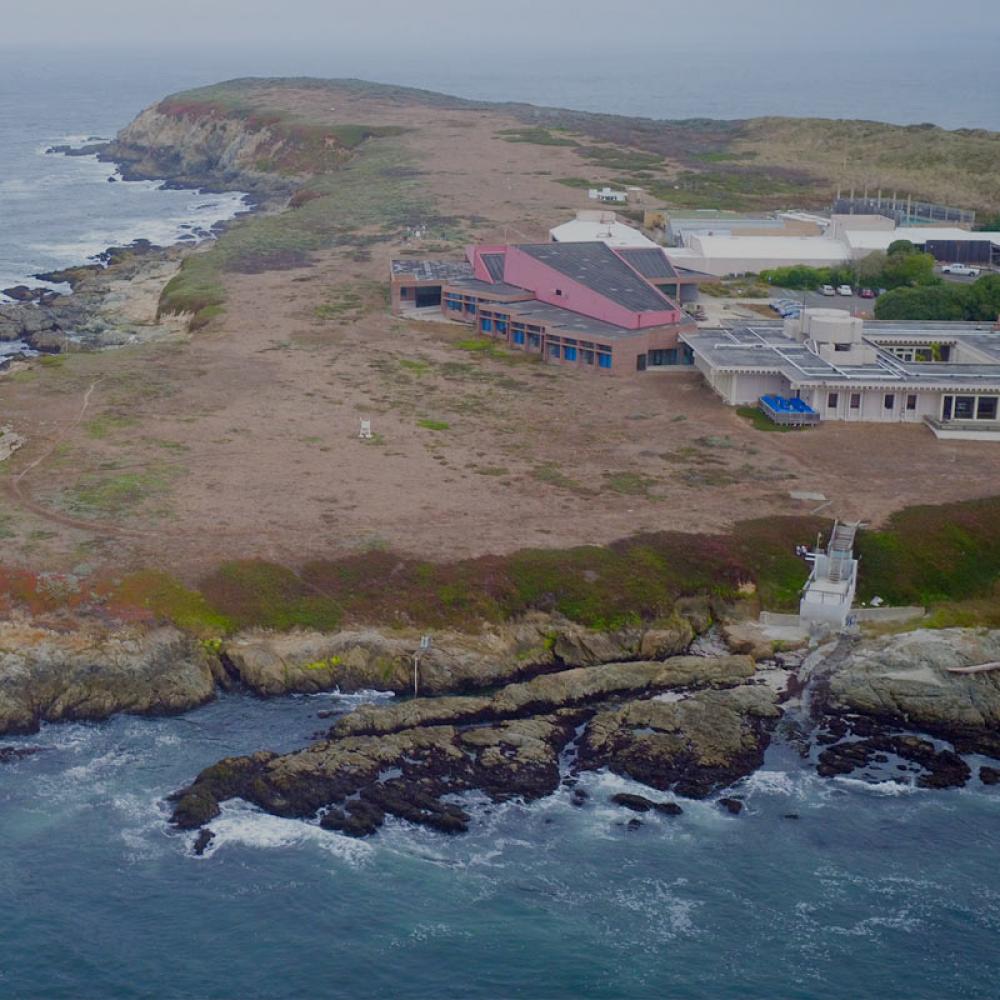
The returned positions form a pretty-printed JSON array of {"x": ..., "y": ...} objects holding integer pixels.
[{"x": 445, "y": 26}]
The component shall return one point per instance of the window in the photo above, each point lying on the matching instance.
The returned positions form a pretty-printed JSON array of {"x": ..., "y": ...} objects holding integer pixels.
[
  {"x": 518, "y": 336},
  {"x": 855, "y": 400},
  {"x": 588, "y": 357},
  {"x": 502, "y": 326},
  {"x": 569, "y": 353},
  {"x": 603, "y": 360},
  {"x": 965, "y": 407},
  {"x": 559, "y": 292},
  {"x": 404, "y": 293},
  {"x": 453, "y": 302},
  {"x": 640, "y": 363},
  {"x": 832, "y": 399},
  {"x": 987, "y": 408},
  {"x": 889, "y": 402},
  {"x": 534, "y": 340},
  {"x": 946, "y": 407},
  {"x": 470, "y": 307},
  {"x": 486, "y": 325},
  {"x": 841, "y": 347},
  {"x": 553, "y": 350},
  {"x": 911, "y": 402}
]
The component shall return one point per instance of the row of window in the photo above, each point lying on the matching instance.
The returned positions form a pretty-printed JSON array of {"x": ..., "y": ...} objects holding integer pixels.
[
  {"x": 586, "y": 355},
  {"x": 888, "y": 401},
  {"x": 969, "y": 408}
]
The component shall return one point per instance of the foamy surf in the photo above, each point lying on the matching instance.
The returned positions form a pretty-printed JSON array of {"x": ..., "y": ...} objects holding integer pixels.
[{"x": 243, "y": 825}]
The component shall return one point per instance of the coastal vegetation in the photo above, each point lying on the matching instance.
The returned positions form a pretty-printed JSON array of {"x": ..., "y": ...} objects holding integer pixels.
[{"x": 946, "y": 558}]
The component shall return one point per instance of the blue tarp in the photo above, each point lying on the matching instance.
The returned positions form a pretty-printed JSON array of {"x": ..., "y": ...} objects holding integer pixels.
[{"x": 782, "y": 405}]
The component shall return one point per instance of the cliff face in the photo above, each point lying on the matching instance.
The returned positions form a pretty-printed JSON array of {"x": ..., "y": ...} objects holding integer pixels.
[{"x": 212, "y": 152}]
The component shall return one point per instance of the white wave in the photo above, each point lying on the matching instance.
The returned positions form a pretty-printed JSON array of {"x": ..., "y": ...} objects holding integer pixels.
[
  {"x": 366, "y": 696},
  {"x": 247, "y": 826},
  {"x": 771, "y": 783},
  {"x": 890, "y": 788}
]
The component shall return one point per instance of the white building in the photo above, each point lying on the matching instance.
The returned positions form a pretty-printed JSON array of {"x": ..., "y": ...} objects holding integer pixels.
[
  {"x": 594, "y": 226},
  {"x": 728, "y": 249},
  {"x": 829, "y": 593},
  {"x": 836, "y": 367},
  {"x": 607, "y": 194}
]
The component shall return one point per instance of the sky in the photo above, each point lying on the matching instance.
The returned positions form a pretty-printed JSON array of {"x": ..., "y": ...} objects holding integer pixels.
[{"x": 439, "y": 25}]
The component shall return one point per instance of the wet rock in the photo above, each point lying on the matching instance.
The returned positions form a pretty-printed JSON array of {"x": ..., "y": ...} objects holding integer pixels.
[
  {"x": 578, "y": 686},
  {"x": 636, "y": 803},
  {"x": 10, "y": 754},
  {"x": 201, "y": 842},
  {"x": 790, "y": 816},
  {"x": 693, "y": 746},
  {"x": 22, "y": 293},
  {"x": 733, "y": 806},
  {"x": 989, "y": 775},
  {"x": 579, "y": 797},
  {"x": 405, "y": 774},
  {"x": 669, "y": 808},
  {"x": 633, "y": 824},
  {"x": 358, "y": 818}
]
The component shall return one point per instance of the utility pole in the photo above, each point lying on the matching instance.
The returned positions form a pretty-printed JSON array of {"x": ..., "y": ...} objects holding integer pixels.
[{"x": 425, "y": 645}]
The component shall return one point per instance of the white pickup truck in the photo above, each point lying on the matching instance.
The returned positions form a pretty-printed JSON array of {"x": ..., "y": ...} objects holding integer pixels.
[{"x": 962, "y": 269}]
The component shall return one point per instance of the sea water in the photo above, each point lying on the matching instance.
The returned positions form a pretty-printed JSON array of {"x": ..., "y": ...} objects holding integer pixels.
[{"x": 874, "y": 890}]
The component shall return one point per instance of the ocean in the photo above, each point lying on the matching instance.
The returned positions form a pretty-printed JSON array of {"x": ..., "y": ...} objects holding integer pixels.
[{"x": 874, "y": 890}]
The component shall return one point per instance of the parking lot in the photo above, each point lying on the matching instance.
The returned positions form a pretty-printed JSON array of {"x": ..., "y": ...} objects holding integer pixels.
[{"x": 813, "y": 300}]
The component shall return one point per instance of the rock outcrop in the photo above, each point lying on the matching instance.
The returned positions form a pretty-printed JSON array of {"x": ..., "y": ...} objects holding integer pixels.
[
  {"x": 404, "y": 760},
  {"x": 910, "y": 680},
  {"x": 193, "y": 149},
  {"x": 308, "y": 662},
  {"x": 51, "y": 676},
  {"x": 692, "y": 746}
]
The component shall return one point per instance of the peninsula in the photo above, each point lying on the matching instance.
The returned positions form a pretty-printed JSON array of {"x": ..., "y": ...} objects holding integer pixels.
[{"x": 194, "y": 509}]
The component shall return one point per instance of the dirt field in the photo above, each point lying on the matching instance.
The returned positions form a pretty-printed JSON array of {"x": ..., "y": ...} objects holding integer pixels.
[{"x": 243, "y": 440}]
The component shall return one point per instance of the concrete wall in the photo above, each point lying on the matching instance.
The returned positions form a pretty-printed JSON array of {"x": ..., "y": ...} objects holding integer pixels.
[{"x": 872, "y": 409}]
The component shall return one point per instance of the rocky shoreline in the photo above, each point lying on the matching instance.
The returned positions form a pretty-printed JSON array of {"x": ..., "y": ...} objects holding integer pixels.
[
  {"x": 523, "y": 709},
  {"x": 48, "y": 321}
]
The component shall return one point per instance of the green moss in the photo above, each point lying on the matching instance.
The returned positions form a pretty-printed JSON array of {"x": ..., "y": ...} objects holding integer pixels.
[
  {"x": 536, "y": 136},
  {"x": 433, "y": 425},
  {"x": 759, "y": 420}
]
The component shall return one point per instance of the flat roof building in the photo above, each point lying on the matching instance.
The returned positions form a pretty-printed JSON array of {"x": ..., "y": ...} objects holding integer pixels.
[
  {"x": 847, "y": 238},
  {"x": 946, "y": 375}
]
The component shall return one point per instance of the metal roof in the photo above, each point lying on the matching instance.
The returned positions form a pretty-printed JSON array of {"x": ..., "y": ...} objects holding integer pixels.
[
  {"x": 431, "y": 270},
  {"x": 474, "y": 285},
  {"x": 494, "y": 264},
  {"x": 598, "y": 268},
  {"x": 648, "y": 262},
  {"x": 554, "y": 317}
]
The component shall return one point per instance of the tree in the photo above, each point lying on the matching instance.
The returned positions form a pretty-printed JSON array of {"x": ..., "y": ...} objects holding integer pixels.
[
  {"x": 904, "y": 269},
  {"x": 926, "y": 302},
  {"x": 989, "y": 224},
  {"x": 984, "y": 298},
  {"x": 902, "y": 248},
  {"x": 869, "y": 269}
]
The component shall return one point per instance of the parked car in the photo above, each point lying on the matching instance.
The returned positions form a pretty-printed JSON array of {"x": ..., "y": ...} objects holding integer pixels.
[
  {"x": 827, "y": 290},
  {"x": 965, "y": 270},
  {"x": 845, "y": 290},
  {"x": 866, "y": 293}
]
